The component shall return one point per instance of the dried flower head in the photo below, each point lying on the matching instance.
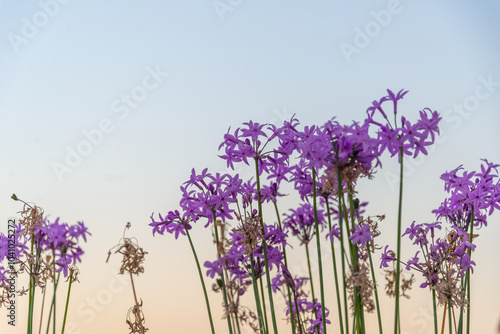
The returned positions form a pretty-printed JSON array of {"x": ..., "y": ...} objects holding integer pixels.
[
  {"x": 133, "y": 255},
  {"x": 31, "y": 217},
  {"x": 133, "y": 258}
]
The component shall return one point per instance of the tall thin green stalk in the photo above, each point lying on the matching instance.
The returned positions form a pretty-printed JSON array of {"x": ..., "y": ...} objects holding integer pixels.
[
  {"x": 224, "y": 292},
  {"x": 434, "y": 311},
  {"x": 52, "y": 307},
  {"x": 310, "y": 271},
  {"x": 262, "y": 325},
  {"x": 449, "y": 316},
  {"x": 398, "y": 252},
  {"x": 201, "y": 280},
  {"x": 31, "y": 300},
  {"x": 55, "y": 290},
  {"x": 264, "y": 310},
  {"x": 468, "y": 270},
  {"x": 335, "y": 275},
  {"x": 286, "y": 265},
  {"x": 264, "y": 245},
  {"x": 318, "y": 246},
  {"x": 342, "y": 250},
  {"x": 375, "y": 289},
  {"x": 67, "y": 302},
  {"x": 41, "y": 312}
]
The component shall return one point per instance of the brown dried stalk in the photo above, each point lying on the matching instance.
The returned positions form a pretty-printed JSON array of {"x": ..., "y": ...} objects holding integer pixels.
[{"x": 132, "y": 262}]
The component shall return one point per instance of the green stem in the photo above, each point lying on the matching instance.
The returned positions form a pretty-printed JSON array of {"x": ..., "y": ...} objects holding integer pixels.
[
  {"x": 339, "y": 306},
  {"x": 310, "y": 272},
  {"x": 320, "y": 265},
  {"x": 286, "y": 265},
  {"x": 299, "y": 323},
  {"x": 52, "y": 308},
  {"x": 264, "y": 245},
  {"x": 237, "y": 323},
  {"x": 358, "y": 298},
  {"x": 55, "y": 290},
  {"x": 202, "y": 281},
  {"x": 67, "y": 303},
  {"x": 398, "y": 252},
  {"x": 342, "y": 250},
  {"x": 41, "y": 312},
  {"x": 224, "y": 292},
  {"x": 361, "y": 314},
  {"x": 434, "y": 310},
  {"x": 264, "y": 310},
  {"x": 263, "y": 328},
  {"x": 375, "y": 289},
  {"x": 31, "y": 292},
  {"x": 468, "y": 270},
  {"x": 449, "y": 316}
]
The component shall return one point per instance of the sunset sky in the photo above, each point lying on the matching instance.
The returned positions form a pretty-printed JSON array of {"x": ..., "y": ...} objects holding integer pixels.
[{"x": 106, "y": 106}]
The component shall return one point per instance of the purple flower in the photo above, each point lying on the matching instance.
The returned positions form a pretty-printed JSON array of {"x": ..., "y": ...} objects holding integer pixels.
[
  {"x": 276, "y": 283},
  {"x": 254, "y": 130},
  {"x": 214, "y": 268},
  {"x": 361, "y": 235},
  {"x": 465, "y": 263},
  {"x": 386, "y": 257},
  {"x": 411, "y": 138},
  {"x": 414, "y": 261},
  {"x": 301, "y": 222},
  {"x": 334, "y": 233},
  {"x": 171, "y": 223}
]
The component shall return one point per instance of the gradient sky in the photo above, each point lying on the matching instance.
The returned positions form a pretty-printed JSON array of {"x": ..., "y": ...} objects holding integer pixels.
[{"x": 162, "y": 81}]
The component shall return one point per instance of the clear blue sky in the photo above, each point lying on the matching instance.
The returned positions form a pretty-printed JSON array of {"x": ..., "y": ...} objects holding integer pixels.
[{"x": 106, "y": 106}]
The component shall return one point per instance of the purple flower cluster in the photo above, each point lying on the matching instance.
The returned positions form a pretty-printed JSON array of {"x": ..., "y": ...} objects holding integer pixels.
[
  {"x": 301, "y": 222},
  {"x": 203, "y": 196},
  {"x": 252, "y": 142},
  {"x": 12, "y": 248},
  {"x": 443, "y": 261},
  {"x": 59, "y": 240},
  {"x": 412, "y": 139},
  {"x": 473, "y": 195},
  {"x": 324, "y": 160},
  {"x": 62, "y": 241}
]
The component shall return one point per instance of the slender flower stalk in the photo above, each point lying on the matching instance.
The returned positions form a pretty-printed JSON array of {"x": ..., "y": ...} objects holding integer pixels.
[
  {"x": 342, "y": 250},
  {"x": 450, "y": 323},
  {"x": 31, "y": 300},
  {"x": 264, "y": 310},
  {"x": 264, "y": 246},
  {"x": 224, "y": 290},
  {"x": 379, "y": 317},
  {"x": 335, "y": 274},
  {"x": 434, "y": 311},
  {"x": 467, "y": 278},
  {"x": 262, "y": 325},
  {"x": 41, "y": 312},
  {"x": 202, "y": 282},
  {"x": 292, "y": 320},
  {"x": 398, "y": 252},
  {"x": 309, "y": 271},
  {"x": 55, "y": 290},
  {"x": 320, "y": 265},
  {"x": 52, "y": 307},
  {"x": 67, "y": 303}
]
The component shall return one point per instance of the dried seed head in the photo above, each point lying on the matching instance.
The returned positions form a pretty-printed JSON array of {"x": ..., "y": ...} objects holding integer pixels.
[
  {"x": 31, "y": 218},
  {"x": 133, "y": 255}
]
